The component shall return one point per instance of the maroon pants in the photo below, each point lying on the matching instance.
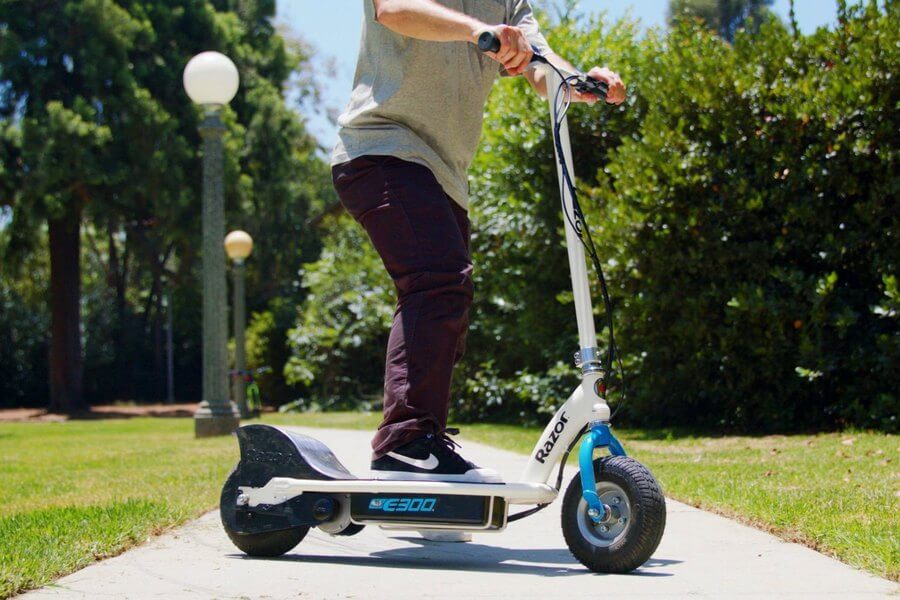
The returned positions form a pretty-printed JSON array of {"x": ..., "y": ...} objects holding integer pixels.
[{"x": 422, "y": 236}]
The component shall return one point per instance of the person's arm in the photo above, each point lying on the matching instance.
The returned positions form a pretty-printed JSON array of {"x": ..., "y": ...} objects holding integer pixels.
[{"x": 428, "y": 20}]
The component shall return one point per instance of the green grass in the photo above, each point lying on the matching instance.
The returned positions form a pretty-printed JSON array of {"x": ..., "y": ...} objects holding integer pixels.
[
  {"x": 83, "y": 490},
  {"x": 78, "y": 491}
]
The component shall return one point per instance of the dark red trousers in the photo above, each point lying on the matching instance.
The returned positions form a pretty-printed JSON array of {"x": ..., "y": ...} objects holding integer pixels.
[{"x": 422, "y": 236}]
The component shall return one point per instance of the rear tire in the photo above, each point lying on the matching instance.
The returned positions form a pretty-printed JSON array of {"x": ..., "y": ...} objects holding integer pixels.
[
  {"x": 266, "y": 544},
  {"x": 628, "y": 538}
]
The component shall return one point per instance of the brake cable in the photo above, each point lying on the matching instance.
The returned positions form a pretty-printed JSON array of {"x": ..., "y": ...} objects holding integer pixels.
[{"x": 562, "y": 101}]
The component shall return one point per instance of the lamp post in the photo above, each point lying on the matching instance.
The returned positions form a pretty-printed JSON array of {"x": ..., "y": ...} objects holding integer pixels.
[
  {"x": 238, "y": 246},
  {"x": 211, "y": 80}
]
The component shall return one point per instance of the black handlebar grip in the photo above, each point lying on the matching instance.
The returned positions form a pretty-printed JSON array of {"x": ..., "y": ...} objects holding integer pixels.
[{"x": 488, "y": 42}]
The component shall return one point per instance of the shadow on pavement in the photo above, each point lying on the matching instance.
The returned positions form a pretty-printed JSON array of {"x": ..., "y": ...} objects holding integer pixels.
[{"x": 547, "y": 562}]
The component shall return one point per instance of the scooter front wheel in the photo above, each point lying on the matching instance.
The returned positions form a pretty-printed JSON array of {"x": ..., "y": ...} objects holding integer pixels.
[{"x": 633, "y": 526}]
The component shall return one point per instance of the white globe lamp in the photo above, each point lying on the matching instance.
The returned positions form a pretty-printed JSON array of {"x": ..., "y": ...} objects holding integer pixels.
[
  {"x": 211, "y": 79},
  {"x": 238, "y": 245}
]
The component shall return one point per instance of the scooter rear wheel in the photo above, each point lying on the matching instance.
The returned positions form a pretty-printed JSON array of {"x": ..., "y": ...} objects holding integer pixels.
[
  {"x": 268, "y": 544},
  {"x": 264, "y": 544},
  {"x": 634, "y": 526}
]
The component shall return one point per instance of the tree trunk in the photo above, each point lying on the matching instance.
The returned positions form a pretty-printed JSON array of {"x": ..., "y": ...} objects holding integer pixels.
[
  {"x": 118, "y": 274},
  {"x": 65, "y": 297}
]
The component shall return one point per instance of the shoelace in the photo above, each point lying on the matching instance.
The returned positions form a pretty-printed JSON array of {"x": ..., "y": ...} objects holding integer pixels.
[{"x": 443, "y": 438}]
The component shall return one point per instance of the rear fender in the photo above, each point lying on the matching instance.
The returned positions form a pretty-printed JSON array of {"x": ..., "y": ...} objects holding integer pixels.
[{"x": 268, "y": 452}]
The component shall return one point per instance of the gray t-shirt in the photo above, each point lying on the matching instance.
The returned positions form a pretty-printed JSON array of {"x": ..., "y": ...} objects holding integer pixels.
[{"x": 424, "y": 101}]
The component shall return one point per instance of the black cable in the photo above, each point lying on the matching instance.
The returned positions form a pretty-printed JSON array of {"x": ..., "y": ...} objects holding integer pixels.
[
  {"x": 559, "y": 479},
  {"x": 579, "y": 225},
  {"x": 526, "y": 513},
  {"x": 562, "y": 463}
]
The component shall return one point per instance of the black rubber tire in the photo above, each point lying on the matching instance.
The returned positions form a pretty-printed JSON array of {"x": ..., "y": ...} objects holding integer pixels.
[
  {"x": 267, "y": 544},
  {"x": 648, "y": 517},
  {"x": 351, "y": 529}
]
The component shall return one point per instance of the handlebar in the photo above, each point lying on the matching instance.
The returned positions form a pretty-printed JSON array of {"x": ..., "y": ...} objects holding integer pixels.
[{"x": 489, "y": 42}]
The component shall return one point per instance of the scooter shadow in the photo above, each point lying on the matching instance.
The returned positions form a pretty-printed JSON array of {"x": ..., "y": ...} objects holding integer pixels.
[{"x": 546, "y": 562}]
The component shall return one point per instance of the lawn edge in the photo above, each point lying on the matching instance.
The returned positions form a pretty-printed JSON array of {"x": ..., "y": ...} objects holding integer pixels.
[
  {"x": 155, "y": 531},
  {"x": 784, "y": 534}
]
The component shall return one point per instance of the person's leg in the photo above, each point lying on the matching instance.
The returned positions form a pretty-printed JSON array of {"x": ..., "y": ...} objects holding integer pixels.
[
  {"x": 422, "y": 238},
  {"x": 462, "y": 221}
]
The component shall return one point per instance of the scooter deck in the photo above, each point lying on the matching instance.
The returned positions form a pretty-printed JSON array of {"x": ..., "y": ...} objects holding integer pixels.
[
  {"x": 281, "y": 489},
  {"x": 278, "y": 464},
  {"x": 286, "y": 479}
]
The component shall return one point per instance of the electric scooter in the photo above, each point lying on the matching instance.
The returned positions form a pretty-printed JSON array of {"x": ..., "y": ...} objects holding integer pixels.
[{"x": 613, "y": 511}]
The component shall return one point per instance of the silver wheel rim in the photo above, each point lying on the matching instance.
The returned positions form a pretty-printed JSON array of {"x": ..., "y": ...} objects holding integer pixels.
[{"x": 617, "y": 521}]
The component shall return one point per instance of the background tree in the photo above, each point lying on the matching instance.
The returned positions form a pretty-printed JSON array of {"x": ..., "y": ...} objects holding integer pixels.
[
  {"x": 61, "y": 63},
  {"x": 100, "y": 141},
  {"x": 726, "y": 17}
]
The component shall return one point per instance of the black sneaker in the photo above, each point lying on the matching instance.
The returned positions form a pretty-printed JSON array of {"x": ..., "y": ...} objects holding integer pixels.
[{"x": 431, "y": 458}]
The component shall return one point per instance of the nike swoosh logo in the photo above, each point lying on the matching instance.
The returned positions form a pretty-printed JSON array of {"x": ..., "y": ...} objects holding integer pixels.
[{"x": 429, "y": 464}]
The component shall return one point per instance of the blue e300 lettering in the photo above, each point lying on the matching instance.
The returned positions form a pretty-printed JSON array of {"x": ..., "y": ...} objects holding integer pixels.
[{"x": 403, "y": 504}]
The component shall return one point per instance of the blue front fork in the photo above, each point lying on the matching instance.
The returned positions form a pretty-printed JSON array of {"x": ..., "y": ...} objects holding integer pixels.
[{"x": 599, "y": 436}]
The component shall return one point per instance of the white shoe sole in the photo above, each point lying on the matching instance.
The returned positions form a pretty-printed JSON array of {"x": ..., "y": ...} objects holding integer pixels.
[{"x": 473, "y": 476}]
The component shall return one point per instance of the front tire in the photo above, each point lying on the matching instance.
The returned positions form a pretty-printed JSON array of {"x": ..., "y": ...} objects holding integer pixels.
[{"x": 630, "y": 534}]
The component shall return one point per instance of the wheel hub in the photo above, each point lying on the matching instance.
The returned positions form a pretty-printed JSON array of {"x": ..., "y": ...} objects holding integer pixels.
[{"x": 616, "y": 520}]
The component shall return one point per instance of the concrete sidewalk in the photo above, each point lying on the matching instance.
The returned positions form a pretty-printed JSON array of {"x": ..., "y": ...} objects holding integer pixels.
[{"x": 701, "y": 556}]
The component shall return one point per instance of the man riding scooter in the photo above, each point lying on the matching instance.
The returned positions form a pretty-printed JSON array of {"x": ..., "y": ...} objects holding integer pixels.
[{"x": 406, "y": 140}]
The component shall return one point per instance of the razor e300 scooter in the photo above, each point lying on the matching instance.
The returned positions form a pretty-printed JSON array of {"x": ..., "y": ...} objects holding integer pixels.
[{"x": 613, "y": 512}]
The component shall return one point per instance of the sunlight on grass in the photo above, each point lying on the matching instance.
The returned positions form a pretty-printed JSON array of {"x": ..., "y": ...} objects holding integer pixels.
[{"x": 82, "y": 490}]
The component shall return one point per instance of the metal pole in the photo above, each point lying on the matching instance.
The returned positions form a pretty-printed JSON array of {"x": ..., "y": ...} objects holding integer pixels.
[
  {"x": 217, "y": 415},
  {"x": 240, "y": 361},
  {"x": 170, "y": 351}
]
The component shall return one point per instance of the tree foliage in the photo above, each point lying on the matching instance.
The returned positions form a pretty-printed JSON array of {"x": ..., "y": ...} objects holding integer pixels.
[
  {"x": 725, "y": 17},
  {"x": 96, "y": 129},
  {"x": 337, "y": 346}
]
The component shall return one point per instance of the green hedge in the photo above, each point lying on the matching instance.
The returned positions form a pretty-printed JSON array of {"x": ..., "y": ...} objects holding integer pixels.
[{"x": 753, "y": 227}]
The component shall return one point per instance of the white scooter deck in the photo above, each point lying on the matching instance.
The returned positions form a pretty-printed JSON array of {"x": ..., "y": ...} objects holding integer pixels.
[{"x": 282, "y": 489}]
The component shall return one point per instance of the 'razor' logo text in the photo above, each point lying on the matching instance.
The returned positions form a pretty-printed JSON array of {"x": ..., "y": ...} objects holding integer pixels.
[{"x": 544, "y": 452}]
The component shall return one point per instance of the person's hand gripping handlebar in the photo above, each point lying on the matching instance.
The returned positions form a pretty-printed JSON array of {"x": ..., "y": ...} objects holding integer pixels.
[{"x": 584, "y": 84}]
